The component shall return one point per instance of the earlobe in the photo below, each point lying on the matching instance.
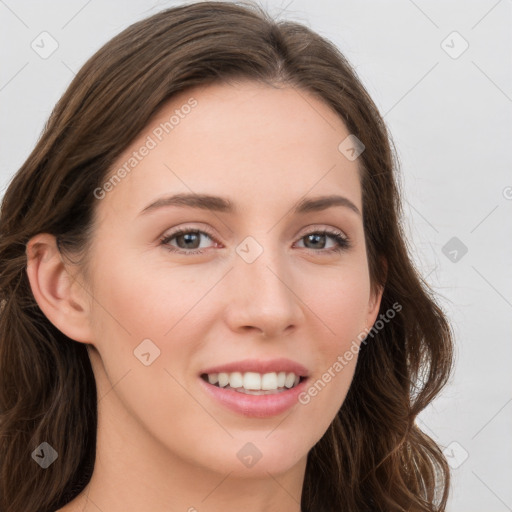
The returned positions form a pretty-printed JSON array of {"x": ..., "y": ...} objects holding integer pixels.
[{"x": 59, "y": 296}]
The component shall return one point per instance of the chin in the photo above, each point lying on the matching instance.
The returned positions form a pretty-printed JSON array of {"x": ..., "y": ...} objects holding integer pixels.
[{"x": 258, "y": 458}]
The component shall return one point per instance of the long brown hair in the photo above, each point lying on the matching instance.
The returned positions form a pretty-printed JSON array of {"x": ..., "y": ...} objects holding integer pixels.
[{"x": 373, "y": 456}]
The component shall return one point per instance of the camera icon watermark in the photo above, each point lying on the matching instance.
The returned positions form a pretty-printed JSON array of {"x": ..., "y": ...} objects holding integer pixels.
[
  {"x": 454, "y": 45},
  {"x": 249, "y": 455},
  {"x": 455, "y": 454},
  {"x": 351, "y": 147},
  {"x": 249, "y": 249},
  {"x": 454, "y": 249},
  {"x": 45, "y": 45},
  {"x": 45, "y": 455},
  {"x": 146, "y": 352}
]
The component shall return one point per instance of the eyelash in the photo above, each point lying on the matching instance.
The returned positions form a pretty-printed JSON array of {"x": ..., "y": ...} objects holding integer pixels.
[{"x": 341, "y": 241}]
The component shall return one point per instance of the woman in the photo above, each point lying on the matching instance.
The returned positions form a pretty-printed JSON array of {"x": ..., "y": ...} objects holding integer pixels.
[{"x": 207, "y": 301}]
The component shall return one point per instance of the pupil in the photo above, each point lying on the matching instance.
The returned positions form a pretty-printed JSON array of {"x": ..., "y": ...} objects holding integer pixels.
[
  {"x": 189, "y": 237},
  {"x": 316, "y": 237}
]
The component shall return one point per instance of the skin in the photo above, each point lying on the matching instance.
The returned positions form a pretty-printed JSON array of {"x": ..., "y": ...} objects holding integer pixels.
[{"x": 163, "y": 444}]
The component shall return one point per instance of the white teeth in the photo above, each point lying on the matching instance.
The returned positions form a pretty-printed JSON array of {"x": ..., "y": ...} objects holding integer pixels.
[
  {"x": 236, "y": 380},
  {"x": 213, "y": 378},
  {"x": 290, "y": 380},
  {"x": 253, "y": 381},
  {"x": 223, "y": 379},
  {"x": 269, "y": 381}
]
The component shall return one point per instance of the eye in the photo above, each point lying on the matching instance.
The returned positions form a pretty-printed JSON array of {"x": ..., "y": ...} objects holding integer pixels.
[
  {"x": 318, "y": 240},
  {"x": 188, "y": 241}
]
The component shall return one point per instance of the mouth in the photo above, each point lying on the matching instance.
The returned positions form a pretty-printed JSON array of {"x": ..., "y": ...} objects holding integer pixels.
[
  {"x": 254, "y": 383},
  {"x": 255, "y": 388}
]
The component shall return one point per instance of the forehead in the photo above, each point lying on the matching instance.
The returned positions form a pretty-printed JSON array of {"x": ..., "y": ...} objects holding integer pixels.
[{"x": 255, "y": 143}]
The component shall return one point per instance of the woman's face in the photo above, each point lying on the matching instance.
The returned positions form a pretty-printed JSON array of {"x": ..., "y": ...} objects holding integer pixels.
[{"x": 254, "y": 289}]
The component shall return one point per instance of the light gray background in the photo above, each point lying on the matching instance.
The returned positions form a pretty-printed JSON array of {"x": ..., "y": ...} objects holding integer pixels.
[{"x": 451, "y": 121}]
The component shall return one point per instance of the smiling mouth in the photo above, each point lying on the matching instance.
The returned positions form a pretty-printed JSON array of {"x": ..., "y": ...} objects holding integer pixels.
[{"x": 252, "y": 383}]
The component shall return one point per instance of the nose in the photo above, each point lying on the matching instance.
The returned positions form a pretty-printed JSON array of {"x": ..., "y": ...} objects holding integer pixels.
[{"x": 261, "y": 296}]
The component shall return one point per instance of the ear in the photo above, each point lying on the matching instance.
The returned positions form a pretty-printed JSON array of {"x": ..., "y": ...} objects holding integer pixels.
[
  {"x": 376, "y": 297},
  {"x": 374, "y": 305},
  {"x": 62, "y": 299}
]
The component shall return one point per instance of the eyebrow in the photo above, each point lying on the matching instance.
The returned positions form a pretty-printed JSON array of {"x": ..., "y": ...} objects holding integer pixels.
[{"x": 224, "y": 205}]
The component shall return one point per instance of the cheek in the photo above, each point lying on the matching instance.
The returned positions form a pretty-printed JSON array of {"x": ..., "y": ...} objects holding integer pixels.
[
  {"x": 131, "y": 307},
  {"x": 137, "y": 301},
  {"x": 342, "y": 307},
  {"x": 341, "y": 302},
  {"x": 326, "y": 392},
  {"x": 167, "y": 306}
]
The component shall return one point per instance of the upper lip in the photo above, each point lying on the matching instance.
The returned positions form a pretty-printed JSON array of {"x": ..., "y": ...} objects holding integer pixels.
[{"x": 260, "y": 366}]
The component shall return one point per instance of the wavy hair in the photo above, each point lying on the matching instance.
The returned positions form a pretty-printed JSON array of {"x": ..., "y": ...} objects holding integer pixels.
[{"x": 373, "y": 456}]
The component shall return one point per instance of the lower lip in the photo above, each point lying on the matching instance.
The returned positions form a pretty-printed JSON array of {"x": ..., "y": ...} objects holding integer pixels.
[{"x": 255, "y": 406}]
